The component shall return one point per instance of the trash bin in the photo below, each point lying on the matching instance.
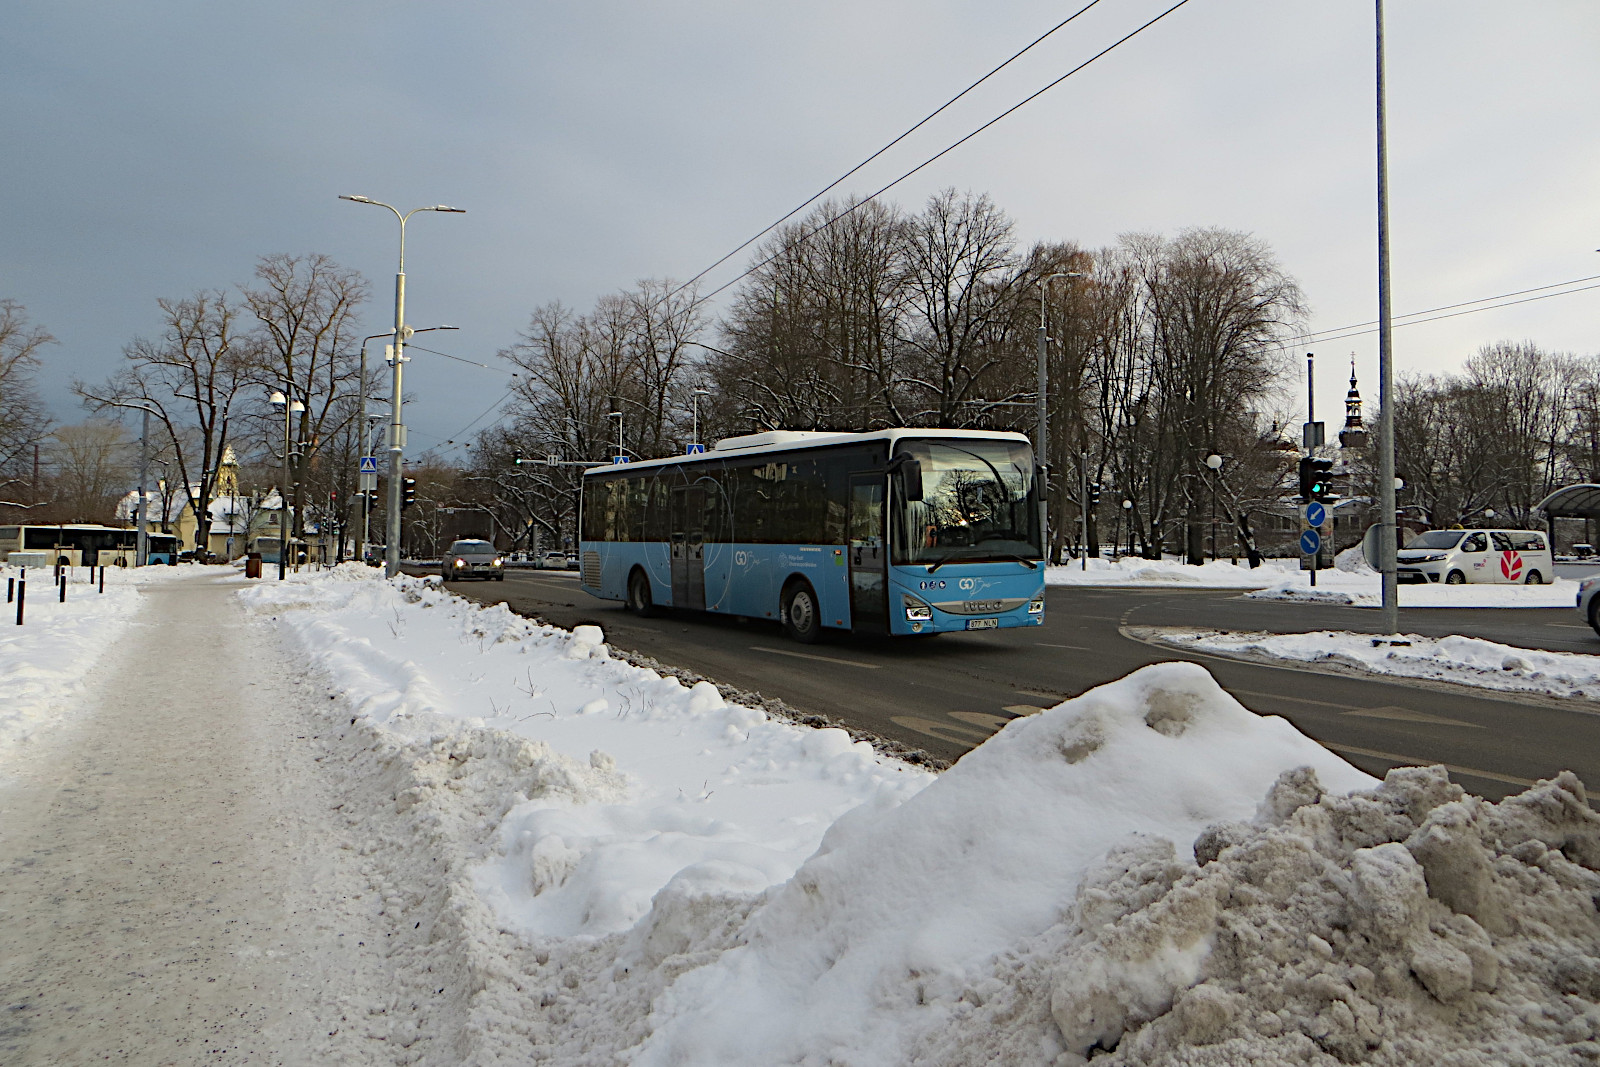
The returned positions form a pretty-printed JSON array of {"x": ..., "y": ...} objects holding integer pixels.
[{"x": 252, "y": 565}]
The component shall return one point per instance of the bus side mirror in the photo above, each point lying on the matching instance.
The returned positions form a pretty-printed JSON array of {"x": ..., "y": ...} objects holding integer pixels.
[{"x": 910, "y": 471}]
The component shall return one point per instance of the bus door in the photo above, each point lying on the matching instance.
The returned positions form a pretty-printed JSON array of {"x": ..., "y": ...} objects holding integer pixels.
[
  {"x": 869, "y": 582},
  {"x": 688, "y": 547}
]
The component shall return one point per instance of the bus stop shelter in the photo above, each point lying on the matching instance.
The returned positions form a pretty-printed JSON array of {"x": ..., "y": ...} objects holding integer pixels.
[{"x": 1572, "y": 502}]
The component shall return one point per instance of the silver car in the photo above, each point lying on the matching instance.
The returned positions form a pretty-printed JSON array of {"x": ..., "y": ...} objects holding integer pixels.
[
  {"x": 472, "y": 559},
  {"x": 1589, "y": 601}
]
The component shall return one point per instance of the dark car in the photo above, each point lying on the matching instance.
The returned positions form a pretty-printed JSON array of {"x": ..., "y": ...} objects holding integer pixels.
[{"x": 472, "y": 559}]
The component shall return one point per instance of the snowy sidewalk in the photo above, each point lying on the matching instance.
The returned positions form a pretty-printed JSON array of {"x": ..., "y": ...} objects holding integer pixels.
[{"x": 175, "y": 884}]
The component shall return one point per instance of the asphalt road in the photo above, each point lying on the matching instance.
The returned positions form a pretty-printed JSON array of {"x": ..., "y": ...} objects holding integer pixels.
[{"x": 948, "y": 694}]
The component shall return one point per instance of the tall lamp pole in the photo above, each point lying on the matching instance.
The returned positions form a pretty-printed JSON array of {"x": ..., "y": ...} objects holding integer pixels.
[
  {"x": 1041, "y": 443},
  {"x": 397, "y": 429},
  {"x": 1386, "y": 509}
]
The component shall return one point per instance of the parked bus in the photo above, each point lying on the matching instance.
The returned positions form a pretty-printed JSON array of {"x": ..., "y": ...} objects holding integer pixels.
[
  {"x": 897, "y": 531},
  {"x": 82, "y": 544}
]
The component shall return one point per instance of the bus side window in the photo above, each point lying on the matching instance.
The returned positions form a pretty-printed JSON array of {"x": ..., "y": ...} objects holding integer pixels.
[
  {"x": 1501, "y": 542},
  {"x": 1474, "y": 543}
]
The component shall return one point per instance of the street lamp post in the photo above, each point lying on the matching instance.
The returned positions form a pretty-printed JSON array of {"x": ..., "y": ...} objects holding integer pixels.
[
  {"x": 1041, "y": 444},
  {"x": 290, "y": 408},
  {"x": 1214, "y": 463},
  {"x": 366, "y": 507},
  {"x": 397, "y": 430}
]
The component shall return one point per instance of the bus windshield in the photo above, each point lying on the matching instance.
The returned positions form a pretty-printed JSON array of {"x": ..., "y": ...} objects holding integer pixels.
[{"x": 978, "y": 503}]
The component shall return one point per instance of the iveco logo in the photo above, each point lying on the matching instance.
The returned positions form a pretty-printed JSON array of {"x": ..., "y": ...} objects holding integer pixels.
[{"x": 969, "y": 584}]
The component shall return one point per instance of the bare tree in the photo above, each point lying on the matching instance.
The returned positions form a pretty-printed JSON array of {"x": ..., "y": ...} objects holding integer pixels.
[
  {"x": 89, "y": 471},
  {"x": 305, "y": 307},
  {"x": 190, "y": 379},
  {"x": 23, "y": 422}
]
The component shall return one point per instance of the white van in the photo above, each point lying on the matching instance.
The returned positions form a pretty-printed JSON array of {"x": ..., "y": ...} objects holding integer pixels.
[{"x": 1459, "y": 556}]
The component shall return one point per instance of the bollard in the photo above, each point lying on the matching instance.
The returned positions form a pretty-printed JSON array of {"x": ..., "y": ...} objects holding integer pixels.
[
  {"x": 22, "y": 594},
  {"x": 63, "y": 589},
  {"x": 11, "y": 590},
  {"x": 102, "y": 579}
]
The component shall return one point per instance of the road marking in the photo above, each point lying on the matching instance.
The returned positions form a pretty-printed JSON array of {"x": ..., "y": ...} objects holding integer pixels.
[
  {"x": 1075, "y": 648},
  {"x": 819, "y": 659},
  {"x": 1022, "y": 709},
  {"x": 944, "y": 731},
  {"x": 990, "y": 723},
  {"x": 1394, "y": 757},
  {"x": 1285, "y": 696},
  {"x": 1567, "y": 625},
  {"x": 1407, "y": 715},
  {"x": 1056, "y": 697}
]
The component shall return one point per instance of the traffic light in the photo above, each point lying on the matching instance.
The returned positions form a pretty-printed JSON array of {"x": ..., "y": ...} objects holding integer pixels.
[
  {"x": 516, "y": 457},
  {"x": 1094, "y": 494},
  {"x": 1316, "y": 480},
  {"x": 408, "y": 492}
]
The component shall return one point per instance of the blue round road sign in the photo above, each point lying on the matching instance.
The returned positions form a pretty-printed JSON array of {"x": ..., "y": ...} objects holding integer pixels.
[
  {"x": 1310, "y": 542},
  {"x": 1316, "y": 514}
]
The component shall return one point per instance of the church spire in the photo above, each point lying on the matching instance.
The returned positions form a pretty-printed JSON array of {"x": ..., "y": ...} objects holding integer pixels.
[{"x": 1354, "y": 434}]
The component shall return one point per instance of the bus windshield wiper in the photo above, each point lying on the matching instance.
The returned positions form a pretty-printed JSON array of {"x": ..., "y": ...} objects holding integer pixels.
[{"x": 1031, "y": 565}]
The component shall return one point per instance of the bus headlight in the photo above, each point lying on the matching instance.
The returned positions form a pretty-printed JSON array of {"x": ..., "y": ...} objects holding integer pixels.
[
  {"x": 916, "y": 610},
  {"x": 1036, "y": 605}
]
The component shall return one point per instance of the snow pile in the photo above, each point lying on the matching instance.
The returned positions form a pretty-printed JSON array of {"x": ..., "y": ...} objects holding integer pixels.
[
  {"x": 1353, "y": 561},
  {"x": 643, "y": 781},
  {"x": 1462, "y": 660},
  {"x": 43, "y": 661},
  {"x": 1359, "y": 586},
  {"x": 881, "y": 937},
  {"x": 1133, "y": 571},
  {"x": 1406, "y": 925}
]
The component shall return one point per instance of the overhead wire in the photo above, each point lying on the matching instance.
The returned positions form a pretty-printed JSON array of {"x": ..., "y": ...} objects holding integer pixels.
[
  {"x": 1319, "y": 336},
  {"x": 947, "y": 149},
  {"x": 825, "y": 190},
  {"x": 1362, "y": 329}
]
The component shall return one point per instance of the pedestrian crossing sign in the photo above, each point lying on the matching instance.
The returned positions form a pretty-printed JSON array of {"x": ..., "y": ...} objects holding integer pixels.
[{"x": 369, "y": 464}]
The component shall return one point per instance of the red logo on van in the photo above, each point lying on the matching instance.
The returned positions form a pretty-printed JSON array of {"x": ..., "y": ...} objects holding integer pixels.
[{"x": 1511, "y": 564}]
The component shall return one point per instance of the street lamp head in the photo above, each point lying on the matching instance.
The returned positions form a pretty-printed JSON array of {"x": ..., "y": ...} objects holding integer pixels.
[
  {"x": 1214, "y": 461},
  {"x": 358, "y": 199},
  {"x": 451, "y": 210},
  {"x": 1127, "y": 505},
  {"x": 297, "y": 407},
  {"x": 277, "y": 399}
]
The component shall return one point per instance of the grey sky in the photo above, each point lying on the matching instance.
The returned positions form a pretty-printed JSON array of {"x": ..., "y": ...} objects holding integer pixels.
[{"x": 157, "y": 148}]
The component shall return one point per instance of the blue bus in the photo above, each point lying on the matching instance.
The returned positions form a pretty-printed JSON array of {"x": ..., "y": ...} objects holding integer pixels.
[{"x": 905, "y": 531}]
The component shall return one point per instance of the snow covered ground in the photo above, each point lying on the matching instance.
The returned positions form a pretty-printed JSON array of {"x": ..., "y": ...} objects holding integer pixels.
[
  {"x": 651, "y": 876},
  {"x": 43, "y": 661},
  {"x": 545, "y": 855},
  {"x": 1280, "y": 579},
  {"x": 1462, "y": 660}
]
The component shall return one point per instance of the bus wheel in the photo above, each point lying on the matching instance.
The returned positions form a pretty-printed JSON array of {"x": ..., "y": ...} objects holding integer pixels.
[
  {"x": 1533, "y": 578},
  {"x": 640, "y": 602},
  {"x": 1455, "y": 578},
  {"x": 801, "y": 619}
]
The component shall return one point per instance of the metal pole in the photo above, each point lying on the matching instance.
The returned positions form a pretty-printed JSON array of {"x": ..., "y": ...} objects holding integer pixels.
[
  {"x": 397, "y": 430},
  {"x": 1041, "y": 437},
  {"x": 1386, "y": 502},
  {"x": 283, "y": 490},
  {"x": 361, "y": 439},
  {"x": 1083, "y": 505},
  {"x": 142, "y": 536}
]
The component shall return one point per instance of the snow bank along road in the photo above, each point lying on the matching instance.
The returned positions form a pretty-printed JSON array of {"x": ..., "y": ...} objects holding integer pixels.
[
  {"x": 949, "y": 695},
  {"x": 544, "y": 855}
]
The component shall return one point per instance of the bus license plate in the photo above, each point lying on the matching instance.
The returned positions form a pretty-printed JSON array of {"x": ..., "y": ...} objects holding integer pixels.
[{"x": 982, "y": 624}]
